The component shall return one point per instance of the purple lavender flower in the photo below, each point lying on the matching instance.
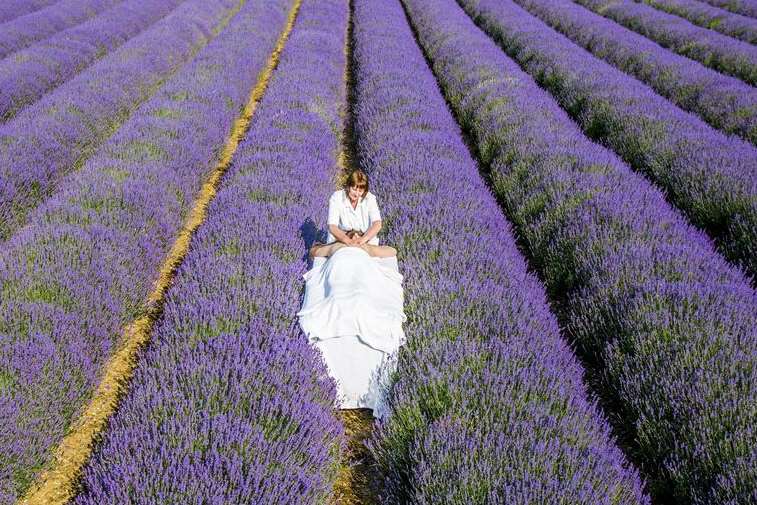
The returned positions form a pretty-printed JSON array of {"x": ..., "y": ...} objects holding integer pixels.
[
  {"x": 708, "y": 175},
  {"x": 60, "y": 132},
  {"x": 230, "y": 403},
  {"x": 719, "y": 52},
  {"x": 26, "y": 30},
  {"x": 484, "y": 353},
  {"x": 34, "y": 71},
  {"x": 82, "y": 269},
  {"x": 724, "y": 102},
  {"x": 666, "y": 328}
]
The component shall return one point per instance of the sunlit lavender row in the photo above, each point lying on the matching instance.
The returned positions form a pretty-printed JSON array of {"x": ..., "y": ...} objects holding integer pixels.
[
  {"x": 737, "y": 26},
  {"x": 667, "y": 328},
  {"x": 708, "y": 175},
  {"x": 230, "y": 401},
  {"x": 32, "y": 72},
  {"x": 484, "y": 353},
  {"x": 724, "y": 102},
  {"x": 743, "y": 7},
  {"x": 720, "y": 52},
  {"x": 26, "y": 30},
  {"x": 73, "y": 279},
  {"x": 60, "y": 132}
]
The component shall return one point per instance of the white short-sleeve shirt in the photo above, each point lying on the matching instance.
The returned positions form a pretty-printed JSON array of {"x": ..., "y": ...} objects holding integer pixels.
[{"x": 346, "y": 218}]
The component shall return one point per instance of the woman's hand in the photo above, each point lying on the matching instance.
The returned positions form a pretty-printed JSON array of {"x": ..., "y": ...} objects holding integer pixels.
[
  {"x": 354, "y": 241},
  {"x": 346, "y": 238},
  {"x": 355, "y": 238}
]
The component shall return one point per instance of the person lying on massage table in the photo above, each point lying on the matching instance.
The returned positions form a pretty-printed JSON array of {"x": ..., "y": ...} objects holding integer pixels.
[{"x": 377, "y": 251}]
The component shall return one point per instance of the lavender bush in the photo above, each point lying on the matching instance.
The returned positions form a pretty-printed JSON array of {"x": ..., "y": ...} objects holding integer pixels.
[
  {"x": 26, "y": 30},
  {"x": 32, "y": 72},
  {"x": 743, "y": 7},
  {"x": 666, "y": 327},
  {"x": 82, "y": 269},
  {"x": 60, "y": 132},
  {"x": 11, "y": 9},
  {"x": 734, "y": 25},
  {"x": 721, "y": 53},
  {"x": 708, "y": 175},
  {"x": 230, "y": 396},
  {"x": 724, "y": 102},
  {"x": 484, "y": 353}
]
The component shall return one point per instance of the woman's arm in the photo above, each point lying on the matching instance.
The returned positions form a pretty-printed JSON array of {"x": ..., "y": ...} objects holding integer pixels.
[
  {"x": 371, "y": 232},
  {"x": 333, "y": 220},
  {"x": 374, "y": 217}
]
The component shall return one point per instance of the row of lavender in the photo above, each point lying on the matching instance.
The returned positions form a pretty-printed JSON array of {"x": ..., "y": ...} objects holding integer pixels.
[
  {"x": 62, "y": 130},
  {"x": 743, "y": 7},
  {"x": 81, "y": 271},
  {"x": 30, "y": 73},
  {"x": 230, "y": 403},
  {"x": 722, "y": 53},
  {"x": 11, "y": 9},
  {"x": 667, "y": 328},
  {"x": 488, "y": 404},
  {"x": 26, "y": 30},
  {"x": 724, "y": 102},
  {"x": 734, "y": 25},
  {"x": 710, "y": 176}
]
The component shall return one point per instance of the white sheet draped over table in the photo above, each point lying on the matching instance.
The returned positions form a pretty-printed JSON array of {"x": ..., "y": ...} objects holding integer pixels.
[{"x": 353, "y": 313}]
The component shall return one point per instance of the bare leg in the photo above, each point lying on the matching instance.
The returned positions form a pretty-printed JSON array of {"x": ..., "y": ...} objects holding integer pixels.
[{"x": 379, "y": 251}]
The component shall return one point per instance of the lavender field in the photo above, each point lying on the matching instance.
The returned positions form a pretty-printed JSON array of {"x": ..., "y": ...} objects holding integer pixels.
[{"x": 571, "y": 186}]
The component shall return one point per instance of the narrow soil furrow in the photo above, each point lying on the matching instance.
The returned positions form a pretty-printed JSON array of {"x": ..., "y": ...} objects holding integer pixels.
[
  {"x": 358, "y": 482},
  {"x": 358, "y": 478}
]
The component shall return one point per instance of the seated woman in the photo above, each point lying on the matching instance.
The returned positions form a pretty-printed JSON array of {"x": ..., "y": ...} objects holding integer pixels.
[{"x": 354, "y": 220}]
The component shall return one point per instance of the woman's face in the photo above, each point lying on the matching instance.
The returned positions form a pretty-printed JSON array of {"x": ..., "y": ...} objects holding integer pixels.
[{"x": 353, "y": 192}]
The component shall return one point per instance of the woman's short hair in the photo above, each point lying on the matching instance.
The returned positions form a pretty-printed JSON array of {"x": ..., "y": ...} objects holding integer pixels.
[{"x": 357, "y": 179}]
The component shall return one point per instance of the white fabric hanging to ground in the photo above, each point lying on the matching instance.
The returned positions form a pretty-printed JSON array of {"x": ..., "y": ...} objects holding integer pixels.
[{"x": 353, "y": 313}]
